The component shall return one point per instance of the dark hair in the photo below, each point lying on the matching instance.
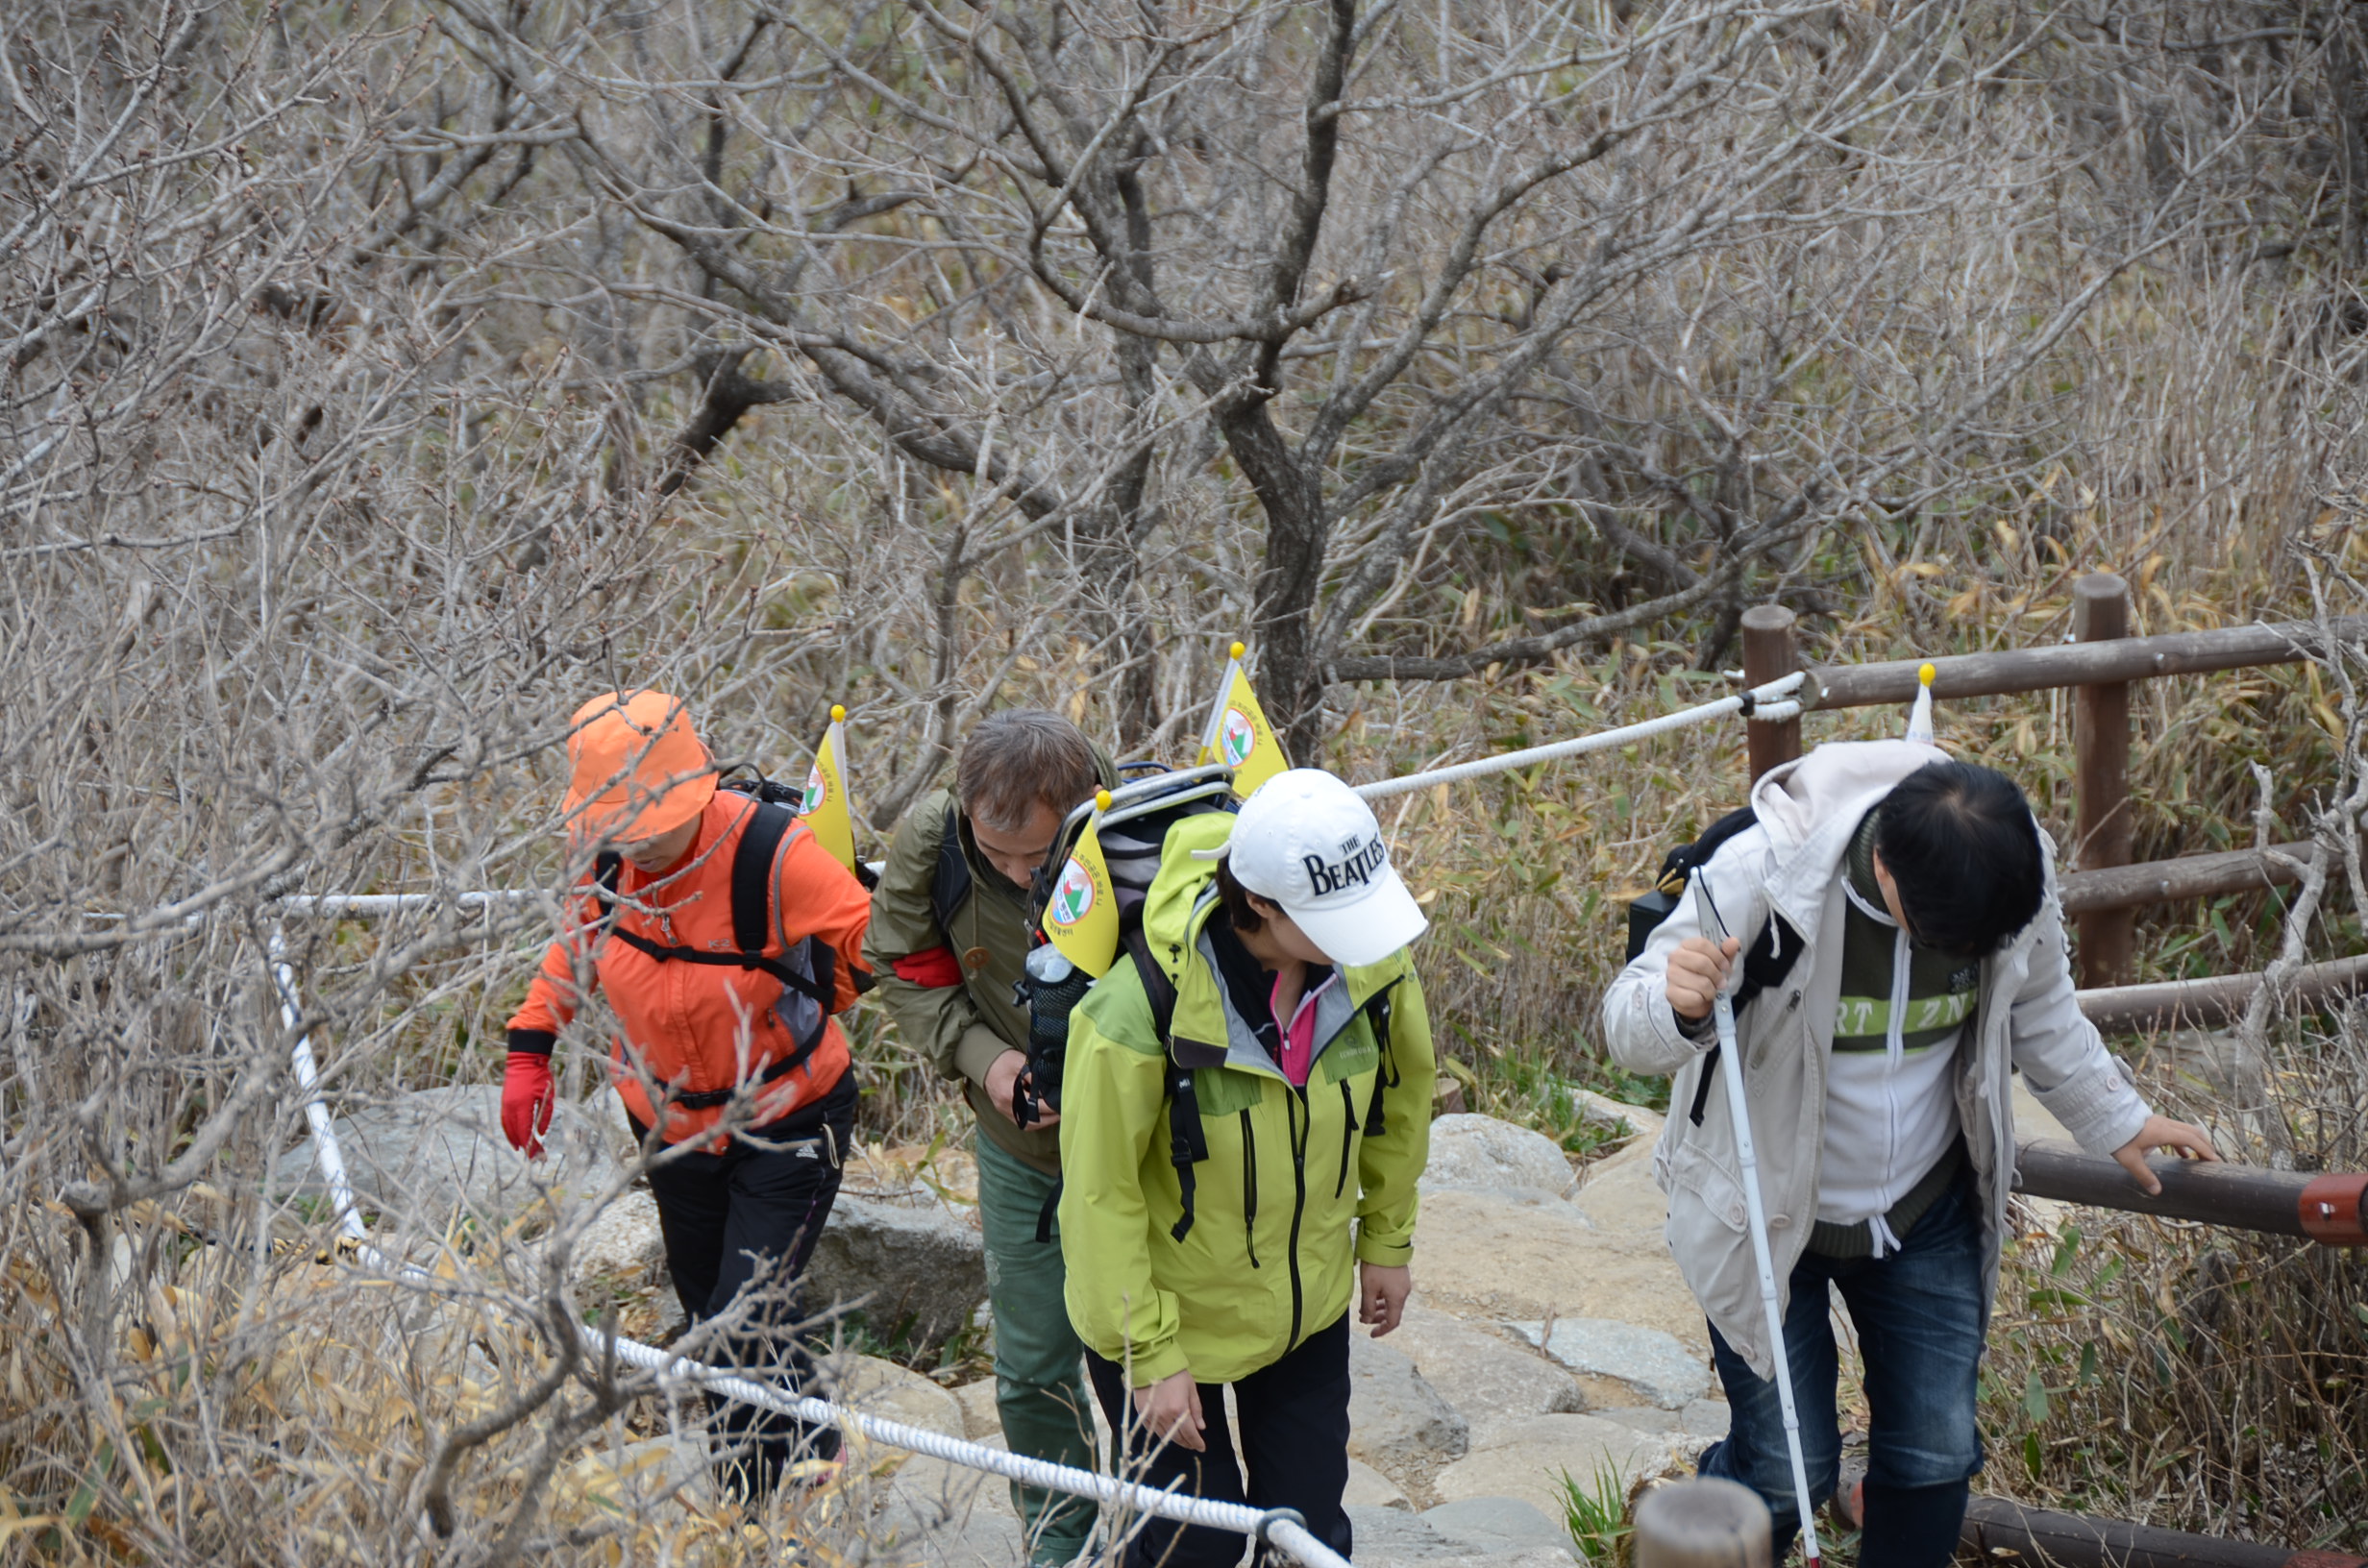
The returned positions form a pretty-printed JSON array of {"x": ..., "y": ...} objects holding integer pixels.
[
  {"x": 1960, "y": 843},
  {"x": 1019, "y": 759},
  {"x": 1236, "y": 898}
]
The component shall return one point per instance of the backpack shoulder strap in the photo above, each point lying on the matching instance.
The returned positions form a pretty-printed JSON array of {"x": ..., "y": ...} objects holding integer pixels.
[
  {"x": 1187, "y": 1141},
  {"x": 751, "y": 910},
  {"x": 753, "y": 878},
  {"x": 604, "y": 872},
  {"x": 950, "y": 885},
  {"x": 1157, "y": 988},
  {"x": 1686, "y": 859},
  {"x": 1770, "y": 957}
]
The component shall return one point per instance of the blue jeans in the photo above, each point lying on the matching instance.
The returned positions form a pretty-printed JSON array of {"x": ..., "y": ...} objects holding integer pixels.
[{"x": 1921, "y": 1319}]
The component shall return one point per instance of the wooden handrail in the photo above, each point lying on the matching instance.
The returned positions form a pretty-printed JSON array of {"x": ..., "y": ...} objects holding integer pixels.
[
  {"x": 2007, "y": 1531},
  {"x": 2208, "y": 1004},
  {"x": 2074, "y": 664},
  {"x": 2323, "y": 1208},
  {"x": 2190, "y": 876}
]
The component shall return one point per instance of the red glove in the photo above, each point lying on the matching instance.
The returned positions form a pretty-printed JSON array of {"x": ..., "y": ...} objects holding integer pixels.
[{"x": 525, "y": 1101}]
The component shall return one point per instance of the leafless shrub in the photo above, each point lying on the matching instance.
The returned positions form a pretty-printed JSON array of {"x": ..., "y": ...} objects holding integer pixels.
[{"x": 379, "y": 383}]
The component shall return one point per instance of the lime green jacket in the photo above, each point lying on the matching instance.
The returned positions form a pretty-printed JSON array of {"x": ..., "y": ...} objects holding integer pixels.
[{"x": 1293, "y": 1192}]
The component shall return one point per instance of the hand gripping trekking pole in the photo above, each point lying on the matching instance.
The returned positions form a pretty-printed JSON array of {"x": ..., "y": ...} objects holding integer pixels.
[{"x": 1755, "y": 1209}]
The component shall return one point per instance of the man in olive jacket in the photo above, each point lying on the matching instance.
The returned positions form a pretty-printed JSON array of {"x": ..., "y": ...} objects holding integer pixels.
[{"x": 948, "y": 938}]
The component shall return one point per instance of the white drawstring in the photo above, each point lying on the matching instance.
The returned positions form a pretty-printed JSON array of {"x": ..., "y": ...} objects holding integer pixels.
[{"x": 1883, "y": 1242}]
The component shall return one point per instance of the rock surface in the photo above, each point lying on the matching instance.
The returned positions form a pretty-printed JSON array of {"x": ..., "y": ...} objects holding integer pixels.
[
  {"x": 914, "y": 1262},
  {"x": 894, "y": 1393},
  {"x": 946, "y": 1516},
  {"x": 1397, "y": 1423},
  {"x": 1369, "y": 1488},
  {"x": 1705, "y": 1417},
  {"x": 1527, "y": 1459},
  {"x": 1480, "y": 1371},
  {"x": 980, "y": 1414},
  {"x": 1643, "y": 1125},
  {"x": 924, "y": 1496},
  {"x": 1506, "y": 1518},
  {"x": 1503, "y": 1533},
  {"x": 434, "y": 1158},
  {"x": 1661, "y": 1371},
  {"x": 1485, "y": 1255},
  {"x": 1618, "y": 1197},
  {"x": 1482, "y": 1154},
  {"x": 623, "y": 1246}
]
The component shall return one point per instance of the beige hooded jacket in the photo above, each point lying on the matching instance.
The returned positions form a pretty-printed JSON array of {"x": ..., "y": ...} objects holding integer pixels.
[{"x": 1789, "y": 861}]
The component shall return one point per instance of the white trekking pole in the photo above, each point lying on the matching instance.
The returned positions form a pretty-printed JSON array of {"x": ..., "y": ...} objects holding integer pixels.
[{"x": 1755, "y": 1209}]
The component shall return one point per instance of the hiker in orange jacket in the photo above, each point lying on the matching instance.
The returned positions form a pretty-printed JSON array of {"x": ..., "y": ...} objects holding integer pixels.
[{"x": 724, "y": 936}]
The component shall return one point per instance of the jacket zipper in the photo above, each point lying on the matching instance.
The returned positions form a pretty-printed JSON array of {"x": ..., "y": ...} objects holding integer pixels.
[
  {"x": 1250, "y": 1187},
  {"x": 1299, "y": 1201}
]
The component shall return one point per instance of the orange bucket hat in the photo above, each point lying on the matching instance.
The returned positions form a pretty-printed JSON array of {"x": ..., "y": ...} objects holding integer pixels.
[{"x": 636, "y": 768}]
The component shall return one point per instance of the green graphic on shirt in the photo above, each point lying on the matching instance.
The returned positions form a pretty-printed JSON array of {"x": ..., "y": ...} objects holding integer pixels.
[{"x": 1864, "y": 1023}]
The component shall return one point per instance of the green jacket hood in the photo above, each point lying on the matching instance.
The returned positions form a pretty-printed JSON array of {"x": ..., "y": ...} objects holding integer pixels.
[{"x": 1172, "y": 910}]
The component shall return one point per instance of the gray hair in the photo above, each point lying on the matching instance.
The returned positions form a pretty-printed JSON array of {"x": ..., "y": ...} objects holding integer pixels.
[{"x": 1019, "y": 759}]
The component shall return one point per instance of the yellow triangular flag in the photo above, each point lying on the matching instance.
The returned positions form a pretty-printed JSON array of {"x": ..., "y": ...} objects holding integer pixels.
[
  {"x": 1081, "y": 917},
  {"x": 1920, "y": 716},
  {"x": 825, "y": 808},
  {"x": 1238, "y": 734}
]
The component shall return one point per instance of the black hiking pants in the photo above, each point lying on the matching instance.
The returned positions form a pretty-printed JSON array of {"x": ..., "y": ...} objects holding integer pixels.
[
  {"x": 1293, "y": 1441},
  {"x": 748, "y": 1216}
]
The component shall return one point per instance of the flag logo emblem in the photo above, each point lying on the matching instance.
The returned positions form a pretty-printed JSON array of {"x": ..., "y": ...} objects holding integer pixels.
[
  {"x": 1072, "y": 897},
  {"x": 1235, "y": 738},
  {"x": 817, "y": 792}
]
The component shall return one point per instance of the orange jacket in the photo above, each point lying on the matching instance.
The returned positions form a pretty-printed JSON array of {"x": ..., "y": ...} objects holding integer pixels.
[{"x": 701, "y": 1028}]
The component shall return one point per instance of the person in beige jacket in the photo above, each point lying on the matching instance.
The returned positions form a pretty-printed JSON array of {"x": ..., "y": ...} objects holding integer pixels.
[{"x": 1906, "y": 906}]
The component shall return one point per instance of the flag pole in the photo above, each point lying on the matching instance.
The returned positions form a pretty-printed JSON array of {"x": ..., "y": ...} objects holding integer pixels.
[
  {"x": 1225, "y": 688},
  {"x": 1920, "y": 716}
]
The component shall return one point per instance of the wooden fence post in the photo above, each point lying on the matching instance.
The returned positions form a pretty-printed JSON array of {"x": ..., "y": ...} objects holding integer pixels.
[
  {"x": 1703, "y": 1523},
  {"x": 2101, "y": 746},
  {"x": 1770, "y": 652}
]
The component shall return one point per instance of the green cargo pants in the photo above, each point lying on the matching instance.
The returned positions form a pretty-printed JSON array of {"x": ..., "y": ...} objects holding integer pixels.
[{"x": 1040, "y": 1389}]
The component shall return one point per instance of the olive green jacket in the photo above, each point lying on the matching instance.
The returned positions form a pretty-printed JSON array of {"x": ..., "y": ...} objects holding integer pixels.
[
  {"x": 959, "y": 1026},
  {"x": 1293, "y": 1192}
]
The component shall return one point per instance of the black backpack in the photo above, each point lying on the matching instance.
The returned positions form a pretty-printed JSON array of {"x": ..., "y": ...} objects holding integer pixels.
[
  {"x": 1767, "y": 958},
  {"x": 805, "y": 970}
]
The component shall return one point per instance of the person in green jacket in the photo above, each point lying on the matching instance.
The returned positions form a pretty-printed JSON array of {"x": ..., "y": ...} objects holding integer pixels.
[
  {"x": 1280, "y": 937},
  {"x": 949, "y": 933}
]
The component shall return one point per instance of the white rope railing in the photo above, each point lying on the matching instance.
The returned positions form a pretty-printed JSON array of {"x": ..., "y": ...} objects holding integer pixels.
[
  {"x": 1765, "y": 704},
  {"x": 1282, "y": 1527}
]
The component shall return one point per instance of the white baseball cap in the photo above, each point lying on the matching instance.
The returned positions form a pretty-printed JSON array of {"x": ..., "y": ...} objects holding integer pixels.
[{"x": 1306, "y": 841}]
